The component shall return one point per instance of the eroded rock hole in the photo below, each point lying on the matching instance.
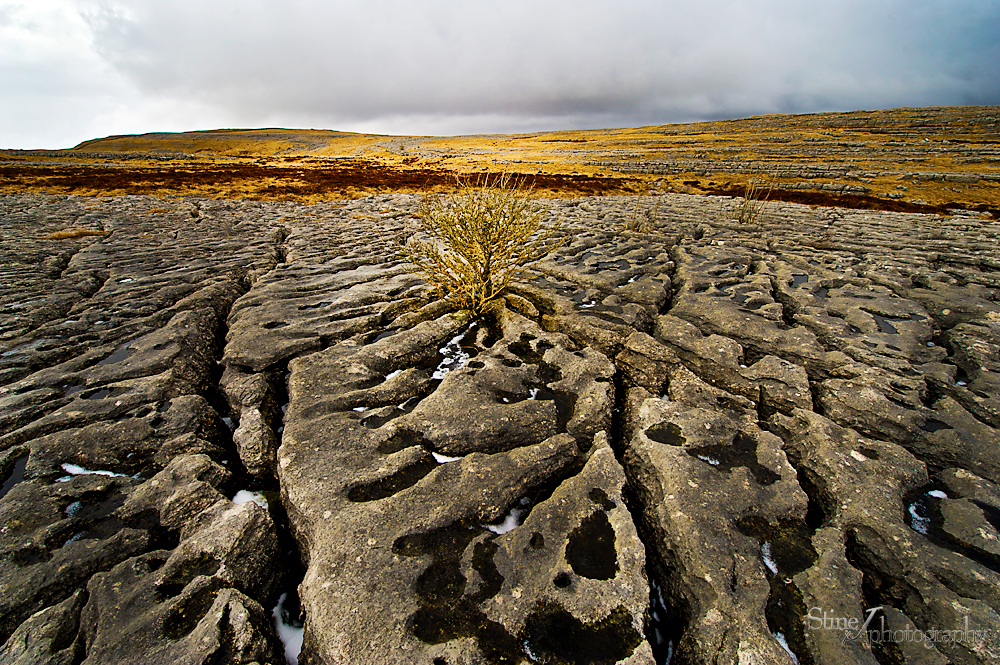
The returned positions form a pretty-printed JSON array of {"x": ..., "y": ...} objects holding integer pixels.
[
  {"x": 600, "y": 497},
  {"x": 932, "y": 425},
  {"x": 401, "y": 440},
  {"x": 205, "y": 565},
  {"x": 786, "y": 550},
  {"x": 741, "y": 452},
  {"x": 553, "y": 635},
  {"x": 591, "y": 548},
  {"x": 959, "y": 525},
  {"x": 394, "y": 484},
  {"x": 14, "y": 475},
  {"x": 447, "y": 612},
  {"x": 668, "y": 434},
  {"x": 189, "y": 611}
]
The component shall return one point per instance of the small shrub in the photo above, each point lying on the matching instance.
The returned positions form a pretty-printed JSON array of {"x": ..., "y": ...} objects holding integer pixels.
[
  {"x": 755, "y": 195},
  {"x": 643, "y": 221},
  {"x": 479, "y": 241}
]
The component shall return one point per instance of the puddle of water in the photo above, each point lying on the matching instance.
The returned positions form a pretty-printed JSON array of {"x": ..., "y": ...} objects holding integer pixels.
[
  {"x": 73, "y": 388},
  {"x": 935, "y": 425},
  {"x": 318, "y": 305},
  {"x": 444, "y": 459},
  {"x": 289, "y": 627},
  {"x": 620, "y": 264},
  {"x": 884, "y": 325},
  {"x": 513, "y": 518},
  {"x": 228, "y": 422},
  {"x": 16, "y": 474},
  {"x": 73, "y": 509},
  {"x": 823, "y": 292},
  {"x": 799, "y": 280},
  {"x": 392, "y": 374},
  {"x": 119, "y": 355}
]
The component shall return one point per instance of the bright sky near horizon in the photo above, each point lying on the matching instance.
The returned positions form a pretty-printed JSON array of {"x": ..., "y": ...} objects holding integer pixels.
[{"x": 72, "y": 70}]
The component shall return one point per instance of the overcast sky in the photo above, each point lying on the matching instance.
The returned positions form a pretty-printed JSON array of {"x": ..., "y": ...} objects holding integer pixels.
[{"x": 74, "y": 70}]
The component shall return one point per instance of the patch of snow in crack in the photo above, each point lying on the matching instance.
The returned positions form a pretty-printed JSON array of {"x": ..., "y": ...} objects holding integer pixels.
[
  {"x": 920, "y": 523},
  {"x": 513, "y": 518},
  {"x": 74, "y": 470},
  {"x": 454, "y": 356},
  {"x": 784, "y": 645},
  {"x": 289, "y": 634},
  {"x": 245, "y": 496},
  {"x": 765, "y": 554}
]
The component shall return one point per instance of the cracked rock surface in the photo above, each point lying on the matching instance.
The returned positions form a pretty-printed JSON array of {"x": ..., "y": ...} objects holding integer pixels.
[{"x": 223, "y": 420}]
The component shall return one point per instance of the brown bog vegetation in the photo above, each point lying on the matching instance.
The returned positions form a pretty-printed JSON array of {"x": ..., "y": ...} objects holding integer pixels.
[{"x": 905, "y": 160}]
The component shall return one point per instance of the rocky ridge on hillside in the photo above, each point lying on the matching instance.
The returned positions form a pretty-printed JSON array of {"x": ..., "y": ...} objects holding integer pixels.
[{"x": 679, "y": 444}]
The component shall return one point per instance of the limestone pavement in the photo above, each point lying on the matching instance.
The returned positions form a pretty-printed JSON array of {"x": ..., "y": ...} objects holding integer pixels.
[{"x": 677, "y": 444}]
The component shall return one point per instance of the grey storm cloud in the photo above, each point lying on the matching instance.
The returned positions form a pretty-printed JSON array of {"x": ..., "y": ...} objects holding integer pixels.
[{"x": 449, "y": 66}]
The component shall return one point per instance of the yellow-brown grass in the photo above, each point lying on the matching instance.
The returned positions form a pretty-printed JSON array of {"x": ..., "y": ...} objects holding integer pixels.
[{"x": 72, "y": 233}]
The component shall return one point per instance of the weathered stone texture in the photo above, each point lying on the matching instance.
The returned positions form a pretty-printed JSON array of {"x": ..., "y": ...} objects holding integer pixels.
[{"x": 688, "y": 441}]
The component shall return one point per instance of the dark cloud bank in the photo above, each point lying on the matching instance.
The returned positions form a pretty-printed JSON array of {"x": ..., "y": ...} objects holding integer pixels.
[{"x": 451, "y": 67}]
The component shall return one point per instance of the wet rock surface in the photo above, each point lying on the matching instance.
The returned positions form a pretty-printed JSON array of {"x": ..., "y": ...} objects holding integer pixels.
[{"x": 706, "y": 443}]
